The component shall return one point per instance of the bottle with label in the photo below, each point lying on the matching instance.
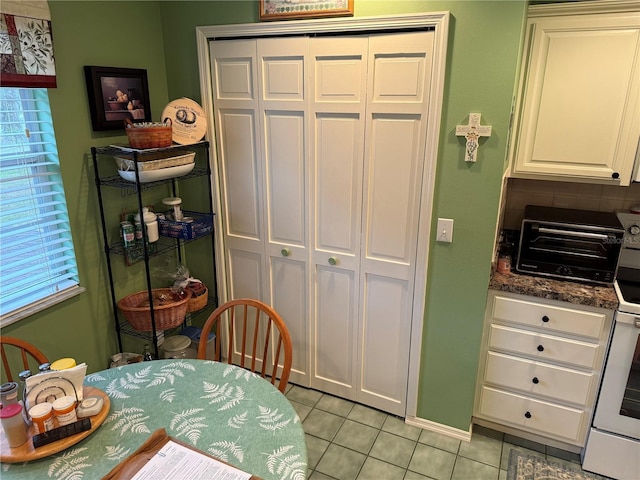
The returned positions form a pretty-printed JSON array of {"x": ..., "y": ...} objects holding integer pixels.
[
  {"x": 147, "y": 355},
  {"x": 504, "y": 258}
]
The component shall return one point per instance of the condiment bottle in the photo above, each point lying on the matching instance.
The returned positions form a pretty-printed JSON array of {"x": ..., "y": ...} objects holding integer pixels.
[
  {"x": 147, "y": 355},
  {"x": 504, "y": 259},
  {"x": 13, "y": 425},
  {"x": 151, "y": 224},
  {"x": 9, "y": 393},
  {"x": 63, "y": 364}
]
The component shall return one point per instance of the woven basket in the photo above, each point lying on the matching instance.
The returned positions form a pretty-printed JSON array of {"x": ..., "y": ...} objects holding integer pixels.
[
  {"x": 199, "y": 297},
  {"x": 168, "y": 315},
  {"x": 149, "y": 137}
]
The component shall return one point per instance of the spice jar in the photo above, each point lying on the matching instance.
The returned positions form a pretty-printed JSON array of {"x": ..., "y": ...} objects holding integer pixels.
[
  {"x": 504, "y": 259},
  {"x": 9, "y": 393},
  {"x": 150, "y": 223},
  {"x": 13, "y": 425}
]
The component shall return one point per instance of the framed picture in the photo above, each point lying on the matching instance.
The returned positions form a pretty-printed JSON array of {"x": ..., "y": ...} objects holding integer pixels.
[
  {"x": 290, "y": 9},
  {"x": 116, "y": 94}
]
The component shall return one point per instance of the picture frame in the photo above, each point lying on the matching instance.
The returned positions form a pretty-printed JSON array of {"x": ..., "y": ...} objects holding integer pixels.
[
  {"x": 115, "y": 94},
  {"x": 297, "y": 9}
]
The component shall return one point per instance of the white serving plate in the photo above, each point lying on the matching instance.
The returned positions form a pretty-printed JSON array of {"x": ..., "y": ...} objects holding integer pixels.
[{"x": 147, "y": 176}]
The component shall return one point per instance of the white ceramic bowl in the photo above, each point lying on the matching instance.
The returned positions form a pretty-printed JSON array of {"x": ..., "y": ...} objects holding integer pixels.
[{"x": 147, "y": 176}]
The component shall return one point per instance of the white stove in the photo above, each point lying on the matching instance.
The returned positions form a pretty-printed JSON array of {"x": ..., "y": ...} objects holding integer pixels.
[{"x": 613, "y": 446}]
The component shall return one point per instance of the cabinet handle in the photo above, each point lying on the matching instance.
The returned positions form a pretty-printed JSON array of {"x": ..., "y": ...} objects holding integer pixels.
[
  {"x": 527, "y": 414},
  {"x": 545, "y": 319},
  {"x": 540, "y": 348},
  {"x": 285, "y": 252},
  {"x": 333, "y": 261},
  {"x": 535, "y": 380},
  {"x": 615, "y": 175}
]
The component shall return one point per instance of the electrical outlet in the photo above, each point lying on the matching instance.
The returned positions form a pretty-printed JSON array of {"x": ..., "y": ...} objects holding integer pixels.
[{"x": 445, "y": 230}]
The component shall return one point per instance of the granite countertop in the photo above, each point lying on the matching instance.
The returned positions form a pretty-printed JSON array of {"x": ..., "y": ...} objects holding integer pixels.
[{"x": 602, "y": 296}]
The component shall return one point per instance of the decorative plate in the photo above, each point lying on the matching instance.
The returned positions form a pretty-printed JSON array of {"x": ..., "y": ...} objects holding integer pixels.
[{"x": 189, "y": 122}]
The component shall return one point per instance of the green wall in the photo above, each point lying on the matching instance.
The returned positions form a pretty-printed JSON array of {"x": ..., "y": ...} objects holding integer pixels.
[{"x": 483, "y": 52}]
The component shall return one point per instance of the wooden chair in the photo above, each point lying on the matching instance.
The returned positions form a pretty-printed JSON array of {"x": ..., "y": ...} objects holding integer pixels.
[
  {"x": 254, "y": 331},
  {"x": 31, "y": 357}
]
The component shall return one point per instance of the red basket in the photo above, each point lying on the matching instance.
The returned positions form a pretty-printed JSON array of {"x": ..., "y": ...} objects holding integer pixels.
[{"x": 168, "y": 313}]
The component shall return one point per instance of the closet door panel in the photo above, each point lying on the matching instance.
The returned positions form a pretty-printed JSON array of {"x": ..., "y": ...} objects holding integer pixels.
[
  {"x": 289, "y": 279},
  {"x": 337, "y": 102},
  {"x": 334, "y": 330},
  {"x": 283, "y": 118},
  {"x": 393, "y": 188},
  {"x": 384, "y": 354},
  {"x": 399, "y": 73}
]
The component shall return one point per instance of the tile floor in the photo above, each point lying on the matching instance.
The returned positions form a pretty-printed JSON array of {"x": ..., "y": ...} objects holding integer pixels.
[{"x": 348, "y": 441}]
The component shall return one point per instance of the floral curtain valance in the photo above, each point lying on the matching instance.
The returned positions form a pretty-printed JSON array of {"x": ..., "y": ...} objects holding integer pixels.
[{"x": 26, "y": 44}]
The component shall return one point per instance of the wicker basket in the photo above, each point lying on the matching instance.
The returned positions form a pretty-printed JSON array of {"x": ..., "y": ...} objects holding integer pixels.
[
  {"x": 157, "y": 136},
  {"x": 167, "y": 313},
  {"x": 199, "y": 297}
]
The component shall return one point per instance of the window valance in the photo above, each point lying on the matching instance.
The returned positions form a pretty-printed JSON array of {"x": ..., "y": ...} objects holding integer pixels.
[{"x": 26, "y": 44}]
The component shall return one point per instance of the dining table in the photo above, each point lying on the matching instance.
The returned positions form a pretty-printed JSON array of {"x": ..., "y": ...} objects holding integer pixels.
[{"x": 219, "y": 409}]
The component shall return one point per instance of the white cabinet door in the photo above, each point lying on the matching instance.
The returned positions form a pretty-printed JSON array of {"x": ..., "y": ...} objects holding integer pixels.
[{"x": 580, "y": 114}]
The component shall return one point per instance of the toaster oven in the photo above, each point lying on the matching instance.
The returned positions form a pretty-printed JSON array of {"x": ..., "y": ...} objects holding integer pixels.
[{"x": 570, "y": 244}]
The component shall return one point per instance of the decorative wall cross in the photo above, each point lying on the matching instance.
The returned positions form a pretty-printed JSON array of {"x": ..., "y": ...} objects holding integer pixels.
[{"x": 472, "y": 132}]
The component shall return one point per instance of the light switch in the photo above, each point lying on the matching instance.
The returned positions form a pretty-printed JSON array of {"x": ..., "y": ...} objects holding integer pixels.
[{"x": 445, "y": 230}]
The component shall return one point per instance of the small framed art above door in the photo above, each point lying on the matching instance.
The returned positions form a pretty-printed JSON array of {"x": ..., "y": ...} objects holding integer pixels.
[{"x": 296, "y": 9}]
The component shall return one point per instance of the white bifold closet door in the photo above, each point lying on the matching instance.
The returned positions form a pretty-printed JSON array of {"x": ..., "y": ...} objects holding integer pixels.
[{"x": 321, "y": 146}]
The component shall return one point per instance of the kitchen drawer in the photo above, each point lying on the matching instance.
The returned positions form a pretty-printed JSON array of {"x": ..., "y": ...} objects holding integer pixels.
[
  {"x": 548, "y": 317},
  {"x": 546, "y": 418},
  {"x": 543, "y": 347},
  {"x": 539, "y": 378}
]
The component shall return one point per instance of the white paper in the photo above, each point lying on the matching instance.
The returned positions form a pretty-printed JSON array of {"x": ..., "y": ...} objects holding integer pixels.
[
  {"x": 178, "y": 462},
  {"x": 55, "y": 384}
]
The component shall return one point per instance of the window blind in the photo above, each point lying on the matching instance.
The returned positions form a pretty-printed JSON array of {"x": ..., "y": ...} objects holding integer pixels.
[{"x": 37, "y": 259}]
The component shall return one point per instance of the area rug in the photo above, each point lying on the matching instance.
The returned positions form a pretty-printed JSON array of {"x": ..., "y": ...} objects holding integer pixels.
[{"x": 530, "y": 467}]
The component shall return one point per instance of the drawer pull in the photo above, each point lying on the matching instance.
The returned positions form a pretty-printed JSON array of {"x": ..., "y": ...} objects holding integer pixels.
[
  {"x": 540, "y": 348},
  {"x": 527, "y": 414},
  {"x": 545, "y": 319},
  {"x": 535, "y": 380}
]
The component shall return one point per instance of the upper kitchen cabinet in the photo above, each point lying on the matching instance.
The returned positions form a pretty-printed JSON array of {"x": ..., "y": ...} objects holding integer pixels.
[{"x": 578, "y": 108}]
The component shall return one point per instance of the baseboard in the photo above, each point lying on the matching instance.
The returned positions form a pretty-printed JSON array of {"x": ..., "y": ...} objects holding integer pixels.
[{"x": 439, "y": 428}]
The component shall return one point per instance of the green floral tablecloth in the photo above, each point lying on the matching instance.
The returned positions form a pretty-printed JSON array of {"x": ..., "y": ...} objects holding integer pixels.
[{"x": 220, "y": 409}]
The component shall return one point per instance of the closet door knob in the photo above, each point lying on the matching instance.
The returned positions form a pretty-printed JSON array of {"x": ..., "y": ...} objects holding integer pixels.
[
  {"x": 540, "y": 348},
  {"x": 285, "y": 252},
  {"x": 545, "y": 319},
  {"x": 535, "y": 380},
  {"x": 527, "y": 414},
  {"x": 333, "y": 261}
]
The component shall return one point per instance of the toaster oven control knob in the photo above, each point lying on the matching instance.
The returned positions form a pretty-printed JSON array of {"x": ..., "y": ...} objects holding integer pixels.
[{"x": 634, "y": 229}]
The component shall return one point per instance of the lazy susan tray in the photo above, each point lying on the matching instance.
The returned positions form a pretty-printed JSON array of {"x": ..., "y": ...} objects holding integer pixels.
[{"x": 26, "y": 452}]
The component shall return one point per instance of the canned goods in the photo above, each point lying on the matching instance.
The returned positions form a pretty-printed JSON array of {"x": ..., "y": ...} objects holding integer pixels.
[{"x": 128, "y": 234}]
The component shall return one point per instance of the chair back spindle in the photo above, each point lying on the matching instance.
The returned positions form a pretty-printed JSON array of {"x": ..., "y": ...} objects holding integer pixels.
[{"x": 270, "y": 352}]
